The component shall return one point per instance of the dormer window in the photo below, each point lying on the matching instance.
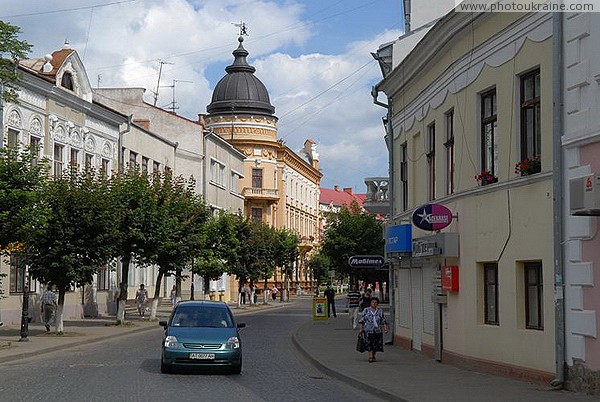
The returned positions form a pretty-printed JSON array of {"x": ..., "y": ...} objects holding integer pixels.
[{"x": 67, "y": 81}]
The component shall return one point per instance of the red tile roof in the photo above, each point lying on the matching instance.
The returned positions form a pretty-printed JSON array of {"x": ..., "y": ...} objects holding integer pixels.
[{"x": 338, "y": 197}]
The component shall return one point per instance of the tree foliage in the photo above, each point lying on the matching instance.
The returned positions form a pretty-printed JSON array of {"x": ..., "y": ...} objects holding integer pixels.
[
  {"x": 79, "y": 235},
  {"x": 11, "y": 51},
  {"x": 349, "y": 232}
]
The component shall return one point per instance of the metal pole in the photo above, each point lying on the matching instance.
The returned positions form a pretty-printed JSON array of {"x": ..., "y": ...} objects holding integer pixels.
[
  {"x": 557, "y": 184},
  {"x": 25, "y": 310}
]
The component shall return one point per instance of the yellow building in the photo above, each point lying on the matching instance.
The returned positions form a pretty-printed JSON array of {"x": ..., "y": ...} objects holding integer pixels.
[{"x": 280, "y": 187}]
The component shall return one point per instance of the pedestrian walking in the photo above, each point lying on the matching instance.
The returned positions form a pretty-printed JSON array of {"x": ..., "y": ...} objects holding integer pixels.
[
  {"x": 141, "y": 298},
  {"x": 274, "y": 292},
  {"x": 174, "y": 296},
  {"x": 365, "y": 301},
  {"x": 372, "y": 326},
  {"x": 353, "y": 302},
  {"x": 243, "y": 294},
  {"x": 330, "y": 295},
  {"x": 49, "y": 304}
]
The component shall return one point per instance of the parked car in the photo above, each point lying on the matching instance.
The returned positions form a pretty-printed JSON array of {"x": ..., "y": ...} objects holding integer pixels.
[{"x": 201, "y": 334}]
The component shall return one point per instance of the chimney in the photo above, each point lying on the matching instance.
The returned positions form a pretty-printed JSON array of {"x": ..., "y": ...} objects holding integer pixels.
[
  {"x": 201, "y": 119},
  {"x": 336, "y": 188},
  {"x": 144, "y": 123},
  {"x": 348, "y": 190}
]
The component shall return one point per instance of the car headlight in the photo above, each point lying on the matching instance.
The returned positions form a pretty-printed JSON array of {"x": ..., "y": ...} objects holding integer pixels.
[
  {"x": 171, "y": 342},
  {"x": 233, "y": 343}
]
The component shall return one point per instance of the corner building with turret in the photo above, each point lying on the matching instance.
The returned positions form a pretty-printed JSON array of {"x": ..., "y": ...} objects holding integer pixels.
[{"x": 280, "y": 187}]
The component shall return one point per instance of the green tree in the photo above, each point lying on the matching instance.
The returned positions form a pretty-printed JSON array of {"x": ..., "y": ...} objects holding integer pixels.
[
  {"x": 349, "y": 232},
  {"x": 319, "y": 265},
  {"x": 11, "y": 51},
  {"x": 286, "y": 254},
  {"x": 181, "y": 232},
  {"x": 138, "y": 221},
  {"x": 79, "y": 235},
  {"x": 21, "y": 214}
]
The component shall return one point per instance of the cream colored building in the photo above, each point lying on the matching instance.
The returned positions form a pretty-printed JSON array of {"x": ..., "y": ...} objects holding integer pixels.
[
  {"x": 279, "y": 186},
  {"x": 475, "y": 94}
]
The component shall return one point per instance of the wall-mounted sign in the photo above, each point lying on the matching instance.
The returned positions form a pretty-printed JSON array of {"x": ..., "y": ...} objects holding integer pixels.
[
  {"x": 424, "y": 248},
  {"x": 432, "y": 217},
  {"x": 398, "y": 239},
  {"x": 366, "y": 261}
]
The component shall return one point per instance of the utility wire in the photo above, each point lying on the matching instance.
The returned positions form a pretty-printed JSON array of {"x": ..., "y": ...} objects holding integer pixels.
[{"x": 68, "y": 9}]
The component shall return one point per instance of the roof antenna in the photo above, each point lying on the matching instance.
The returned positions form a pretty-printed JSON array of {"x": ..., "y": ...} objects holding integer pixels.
[
  {"x": 158, "y": 83},
  {"x": 173, "y": 106}
]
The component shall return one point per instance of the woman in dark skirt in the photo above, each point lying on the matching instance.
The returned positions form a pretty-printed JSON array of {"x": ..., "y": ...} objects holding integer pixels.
[{"x": 373, "y": 325}]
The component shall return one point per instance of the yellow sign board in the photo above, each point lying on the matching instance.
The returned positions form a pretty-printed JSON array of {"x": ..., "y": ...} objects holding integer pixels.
[{"x": 320, "y": 308}]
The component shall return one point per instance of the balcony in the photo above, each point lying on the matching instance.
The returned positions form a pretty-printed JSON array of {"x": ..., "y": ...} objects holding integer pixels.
[{"x": 256, "y": 193}]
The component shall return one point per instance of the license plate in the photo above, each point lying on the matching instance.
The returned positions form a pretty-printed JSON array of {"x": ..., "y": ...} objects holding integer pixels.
[{"x": 202, "y": 356}]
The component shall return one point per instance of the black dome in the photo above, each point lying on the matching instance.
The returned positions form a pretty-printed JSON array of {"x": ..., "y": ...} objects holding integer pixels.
[{"x": 240, "y": 91}]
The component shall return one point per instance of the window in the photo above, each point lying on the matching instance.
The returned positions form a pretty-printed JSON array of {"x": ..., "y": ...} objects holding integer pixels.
[
  {"x": 74, "y": 161},
  {"x": 534, "y": 308},
  {"x": 132, "y": 159},
  {"x": 257, "y": 214},
  {"x": 257, "y": 178},
  {"x": 155, "y": 167},
  {"x": 489, "y": 126},
  {"x": 35, "y": 145},
  {"x": 531, "y": 132},
  {"x": 217, "y": 172},
  {"x": 89, "y": 161},
  {"x": 145, "y": 161},
  {"x": 67, "y": 81},
  {"x": 17, "y": 275},
  {"x": 58, "y": 160},
  {"x": 235, "y": 182},
  {"x": 103, "y": 278},
  {"x": 404, "y": 175},
  {"x": 431, "y": 160},
  {"x": 13, "y": 138},
  {"x": 449, "y": 145},
  {"x": 105, "y": 166},
  {"x": 490, "y": 293}
]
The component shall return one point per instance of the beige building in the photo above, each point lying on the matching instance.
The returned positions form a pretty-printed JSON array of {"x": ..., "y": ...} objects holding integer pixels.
[
  {"x": 279, "y": 186},
  {"x": 470, "y": 127}
]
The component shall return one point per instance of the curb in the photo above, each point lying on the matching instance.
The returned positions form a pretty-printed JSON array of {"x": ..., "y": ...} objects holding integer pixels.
[{"x": 341, "y": 376}]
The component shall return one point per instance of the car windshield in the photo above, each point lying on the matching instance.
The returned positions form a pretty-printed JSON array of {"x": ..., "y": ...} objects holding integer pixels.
[{"x": 202, "y": 317}]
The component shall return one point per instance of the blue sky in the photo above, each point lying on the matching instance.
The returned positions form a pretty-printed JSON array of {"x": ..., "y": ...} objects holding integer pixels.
[{"x": 313, "y": 56}]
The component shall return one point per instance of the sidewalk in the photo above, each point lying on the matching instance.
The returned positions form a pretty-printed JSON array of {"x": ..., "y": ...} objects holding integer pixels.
[{"x": 402, "y": 375}]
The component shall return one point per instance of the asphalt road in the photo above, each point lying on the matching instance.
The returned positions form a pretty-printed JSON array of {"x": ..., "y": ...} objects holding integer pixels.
[{"x": 128, "y": 369}]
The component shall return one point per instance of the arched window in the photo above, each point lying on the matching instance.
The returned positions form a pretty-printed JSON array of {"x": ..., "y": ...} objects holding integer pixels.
[{"x": 67, "y": 81}]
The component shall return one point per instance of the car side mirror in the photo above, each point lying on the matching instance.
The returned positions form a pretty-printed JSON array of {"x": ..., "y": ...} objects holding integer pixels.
[
  {"x": 162, "y": 324},
  {"x": 241, "y": 325}
]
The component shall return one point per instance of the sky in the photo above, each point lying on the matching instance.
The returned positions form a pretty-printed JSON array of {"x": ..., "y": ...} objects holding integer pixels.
[{"x": 312, "y": 55}]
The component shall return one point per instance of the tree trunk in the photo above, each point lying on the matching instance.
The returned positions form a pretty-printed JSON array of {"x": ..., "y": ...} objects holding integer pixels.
[
  {"x": 122, "y": 301},
  {"x": 265, "y": 296},
  {"x": 206, "y": 288},
  {"x": 154, "y": 304},
  {"x": 58, "y": 319}
]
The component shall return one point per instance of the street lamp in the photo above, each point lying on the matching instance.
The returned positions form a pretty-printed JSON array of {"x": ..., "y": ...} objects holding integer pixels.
[{"x": 25, "y": 310}]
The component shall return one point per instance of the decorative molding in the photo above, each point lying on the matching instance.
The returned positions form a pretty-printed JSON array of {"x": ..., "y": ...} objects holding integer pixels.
[
  {"x": 59, "y": 134},
  {"x": 107, "y": 150},
  {"x": 76, "y": 139},
  {"x": 32, "y": 98},
  {"x": 36, "y": 127},
  {"x": 14, "y": 119},
  {"x": 89, "y": 143}
]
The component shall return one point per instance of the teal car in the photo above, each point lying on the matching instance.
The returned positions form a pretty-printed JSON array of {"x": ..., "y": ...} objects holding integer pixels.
[{"x": 201, "y": 334}]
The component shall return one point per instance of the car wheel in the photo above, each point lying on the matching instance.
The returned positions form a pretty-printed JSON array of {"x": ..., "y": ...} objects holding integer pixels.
[
  {"x": 237, "y": 368},
  {"x": 164, "y": 368}
]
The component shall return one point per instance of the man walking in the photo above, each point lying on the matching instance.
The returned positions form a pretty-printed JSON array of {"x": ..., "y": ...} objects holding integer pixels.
[
  {"x": 353, "y": 302},
  {"x": 330, "y": 295},
  {"x": 49, "y": 303}
]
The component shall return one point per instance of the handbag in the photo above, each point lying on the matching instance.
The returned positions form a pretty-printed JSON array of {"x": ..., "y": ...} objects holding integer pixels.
[{"x": 361, "y": 343}]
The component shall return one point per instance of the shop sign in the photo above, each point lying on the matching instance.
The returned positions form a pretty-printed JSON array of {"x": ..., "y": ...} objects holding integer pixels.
[
  {"x": 432, "y": 217},
  {"x": 424, "y": 248},
  {"x": 366, "y": 261},
  {"x": 398, "y": 239}
]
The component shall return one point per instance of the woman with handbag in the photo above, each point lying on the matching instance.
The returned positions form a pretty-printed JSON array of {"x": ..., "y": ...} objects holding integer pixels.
[{"x": 372, "y": 326}]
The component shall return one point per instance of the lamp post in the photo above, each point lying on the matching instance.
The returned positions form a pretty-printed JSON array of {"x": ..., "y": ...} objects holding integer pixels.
[{"x": 25, "y": 310}]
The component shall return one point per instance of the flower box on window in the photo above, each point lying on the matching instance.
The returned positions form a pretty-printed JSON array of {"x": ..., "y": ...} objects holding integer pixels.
[
  {"x": 528, "y": 166},
  {"x": 485, "y": 177}
]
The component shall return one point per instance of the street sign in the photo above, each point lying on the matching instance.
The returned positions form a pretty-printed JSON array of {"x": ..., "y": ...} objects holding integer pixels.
[{"x": 366, "y": 261}]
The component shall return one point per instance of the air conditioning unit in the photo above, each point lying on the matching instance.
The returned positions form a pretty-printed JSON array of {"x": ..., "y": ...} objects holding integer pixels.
[{"x": 585, "y": 195}]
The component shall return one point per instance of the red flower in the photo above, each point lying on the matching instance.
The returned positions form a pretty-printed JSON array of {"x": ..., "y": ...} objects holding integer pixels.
[{"x": 485, "y": 176}]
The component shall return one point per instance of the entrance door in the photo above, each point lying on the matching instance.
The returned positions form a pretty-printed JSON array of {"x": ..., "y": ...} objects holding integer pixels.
[{"x": 417, "y": 307}]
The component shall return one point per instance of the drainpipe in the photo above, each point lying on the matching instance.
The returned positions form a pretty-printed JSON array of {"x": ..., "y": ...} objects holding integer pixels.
[
  {"x": 1, "y": 116},
  {"x": 121, "y": 162},
  {"x": 557, "y": 184}
]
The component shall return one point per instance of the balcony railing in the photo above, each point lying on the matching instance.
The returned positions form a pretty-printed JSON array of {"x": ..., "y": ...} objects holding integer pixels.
[{"x": 261, "y": 193}]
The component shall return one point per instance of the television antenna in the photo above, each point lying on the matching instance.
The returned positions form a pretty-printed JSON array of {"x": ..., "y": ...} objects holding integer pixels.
[
  {"x": 173, "y": 105},
  {"x": 161, "y": 62}
]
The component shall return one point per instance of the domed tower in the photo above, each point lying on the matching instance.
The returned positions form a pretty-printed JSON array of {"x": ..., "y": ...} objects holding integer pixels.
[{"x": 240, "y": 109}]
